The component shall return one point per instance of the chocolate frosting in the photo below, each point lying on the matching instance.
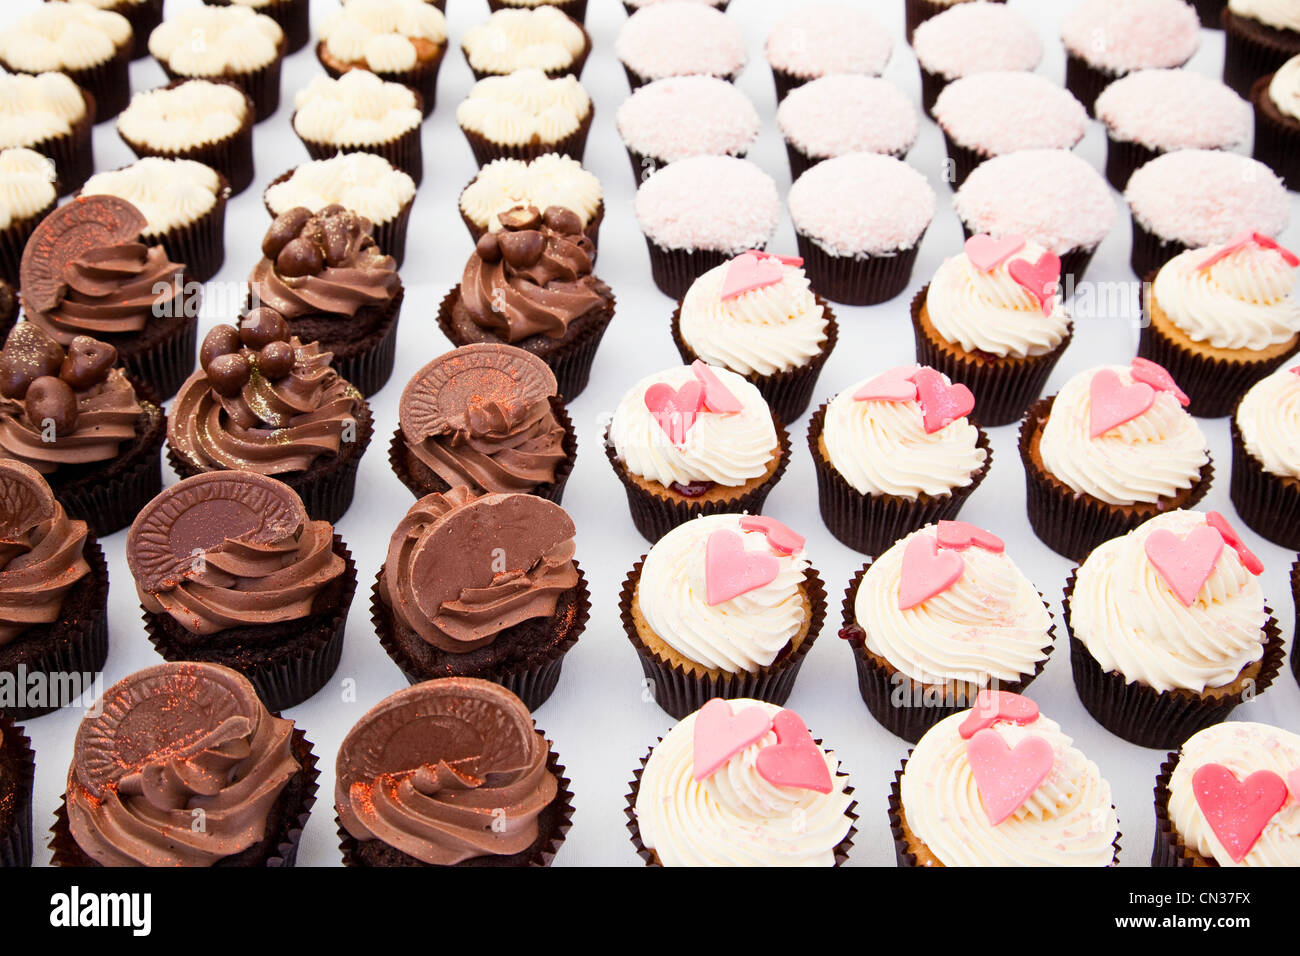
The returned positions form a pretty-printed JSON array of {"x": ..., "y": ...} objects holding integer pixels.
[
  {"x": 481, "y": 416},
  {"x": 460, "y": 569},
  {"x": 227, "y": 549},
  {"x": 445, "y": 771},
  {"x": 173, "y": 740},
  {"x": 533, "y": 277},
  {"x": 41, "y": 551}
]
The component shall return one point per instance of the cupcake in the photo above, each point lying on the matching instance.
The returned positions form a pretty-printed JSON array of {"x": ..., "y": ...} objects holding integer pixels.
[
  {"x": 8, "y": 305},
  {"x": 28, "y": 191},
  {"x": 1276, "y": 102},
  {"x": 757, "y": 316},
  {"x": 1071, "y": 213},
  {"x": 231, "y": 571},
  {"x": 1105, "y": 39},
  {"x": 487, "y": 417},
  {"x": 822, "y": 38},
  {"x": 531, "y": 285},
  {"x": 724, "y": 605},
  {"x": 1169, "y": 630},
  {"x": 894, "y": 453},
  {"x": 93, "y": 47},
  {"x": 360, "y": 113},
  {"x": 859, "y": 220},
  {"x": 573, "y": 8},
  {"x": 209, "y": 121},
  {"x": 184, "y": 206},
  {"x": 264, "y": 401},
  {"x": 694, "y": 440},
  {"x": 697, "y": 213},
  {"x": 741, "y": 783},
  {"x": 239, "y": 45},
  {"x": 549, "y": 180},
  {"x": 542, "y": 38},
  {"x": 403, "y": 41},
  {"x": 917, "y": 12},
  {"x": 391, "y": 795},
  {"x": 324, "y": 274},
  {"x": 252, "y": 772},
  {"x": 524, "y": 115},
  {"x": 969, "y": 38},
  {"x": 364, "y": 183},
  {"x": 50, "y": 115},
  {"x": 53, "y": 613},
  {"x": 1221, "y": 318},
  {"x": 17, "y": 775},
  {"x": 632, "y": 6},
  {"x": 683, "y": 116},
  {"x": 1260, "y": 35},
  {"x": 837, "y": 115},
  {"x": 1266, "y": 458},
  {"x": 1224, "y": 799},
  {"x": 143, "y": 15},
  {"x": 292, "y": 15},
  {"x": 79, "y": 419},
  {"x": 1001, "y": 785},
  {"x": 680, "y": 39},
  {"x": 507, "y": 606}
]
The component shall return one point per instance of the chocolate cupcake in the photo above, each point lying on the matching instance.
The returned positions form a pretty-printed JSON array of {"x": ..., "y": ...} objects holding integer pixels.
[
  {"x": 404, "y": 41},
  {"x": 524, "y": 115},
  {"x": 53, "y": 611},
  {"x": 231, "y": 570},
  {"x": 487, "y": 417},
  {"x": 1259, "y": 36},
  {"x": 17, "y": 775},
  {"x": 683, "y": 116},
  {"x": 77, "y": 417},
  {"x": 550, "y": 180},
  {"x": 837, "y": 115},
  {"x": 28, "y": 191},
  {"x": 1266, "y": 458},
  {"x": 87, "y": 270},
  {"x": 482, "y": 586},
  {"x": 917, "y": 12},
  {"x": 391, "y": 795},
  {"x": 967, "y": 38},
  {"x": 823, "y": 38},
  {"x": 53, "y": 116},
  {"x": 679, "y": 39},
  {"x": 292, "y": 15},
  {"x": 251, "y": 776},
  {"x": 143, "y": 15},
  {"x": 360, "y": 113},
  {"x": 264, "y": 401},
  {"x": 542, "y": 38},
  {"x": 531, "y": 285},
  {"x": 323, "y": 273},
  {"x": 1276, "y": 100}
]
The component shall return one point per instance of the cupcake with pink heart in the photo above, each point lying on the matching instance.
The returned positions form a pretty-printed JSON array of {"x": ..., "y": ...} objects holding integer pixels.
[
  {"x": 894, "y": 453},
  {"x": 938, "y": 618},
  {"x": 1230, "y": 797},
  {"x": 741, "y": 783},
  {"x": 1115, "y": 447},
  {"x": 1266, "y": 457},
  {"x": 1001, "y": 785},
  {"x": 1169, "y": 630}
]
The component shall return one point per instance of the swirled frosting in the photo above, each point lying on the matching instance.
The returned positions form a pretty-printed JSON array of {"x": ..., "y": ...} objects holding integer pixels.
[
  {"x": 1245, "y": 300},
  {"x": 26, "y": 184},
  {"x": 193, "y": 113},
  {"x": 63, "y": 36},
  {"x": 169, "y": 192},
  {"x": 1269, "y": 420},
  {"x": 357, "y": 109},
  {"x": 1130, "y": 621},
  {"x": 34, "y": 109},
  {"x": 510, "y": 40},
  {"x": 216, "y": 41},
  {"x": 1244, "y": 748},
  {"x": 1278, "y": 14},
  {"x": 1284, "y": 88},
  {"x": 742, "y": 634},
  {"x": 367, "y": 184},
  {"x": 766, "y": 330},
  {"x": 549, "y": 180},
  {"x": 735, "y": 817},
  {"x": 388, "y": 36},
  {"x": 1068, "y": 820},
  {"x": 726, "y": 449},
  {"x": 174, "y": 744},
  {"x": 524, "y": 107}
]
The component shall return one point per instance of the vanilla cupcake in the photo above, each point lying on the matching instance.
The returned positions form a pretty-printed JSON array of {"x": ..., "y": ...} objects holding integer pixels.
[
  {"x": 542, "y": 38},
  {"x": 53, "y": 116},
  {"x": 143, "y": 15},
  {"x": 360, "y": 113},
  {"x": 292, "y": 15},
  {"x": 1266, "y": 458},
  {"x": 549, "y": 180},
  {"x": 399, "y": 40},
  {"x": 574, "y": 8},
  {"x": 28, "y": 191},
  {"x": 526, "y": 114}
]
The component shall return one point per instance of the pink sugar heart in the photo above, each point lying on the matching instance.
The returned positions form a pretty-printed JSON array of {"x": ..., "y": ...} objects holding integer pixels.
[
  {"x": 793, "y": 261},
  {"x": 1249, "y": 560},
  {"x": 941, "y": 403},
  {"x": 1237, "y": 810},
  {"x": 717, "y": 397},
  {"x": 720, "y": 734},
  {"x": 960, "y": 535},
  {"x": 675, "y": 409},
  {"x": 1007, "y": 777},
  {"x": 896, "y": 385},
  {"x": 1296, "y": 370},
  {"x": 1112, "y": 403},
  {"x": 1158, "y": 377},
  {"x": 1040, "y": 279},
  {"x": 1293, "y": 784},
  {"x": 926, "y": 571},
  {"x": 794, "y": 760},
  {"x": 748, "y": 272},
  {"x": 994, "y": 705},
  {"x": 1243, "y": 239},
  {"x": 986, "y": 253},
  {"x": 1185, "y": 564},
  {"x": 730, "y": 570},
  {"x": 779, "y": 537}
]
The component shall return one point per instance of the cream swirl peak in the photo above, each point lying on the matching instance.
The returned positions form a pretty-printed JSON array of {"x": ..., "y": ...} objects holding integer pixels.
[
  {"x": 524, "y": 107},
  {"x": 34, "y": 109},
  {"x": 357, "y": 109},
  {"x": 384, "y": 35},
  {"x": 365, "y": 183},
  {"x": 1284, "y": 88},
  {"x": 195, "y": 112},
  {"x": 1269, "y": 421},
  {"x": 63, "y": 36},
  {"x": 26, "y": 184},
  {"x": 236, "y": 39},
  {"x": 548, "y": 180},
  {"x": 508, "y": 40}
]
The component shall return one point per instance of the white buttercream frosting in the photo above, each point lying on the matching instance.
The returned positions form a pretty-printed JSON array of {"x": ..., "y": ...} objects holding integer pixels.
[
  {"x": 1278, "y": 14},
  {"x": 194, "y": 113},
  {"x": 1284, "y": 88},
  {"x": 63, "y": 36},
  {"x": 1269, "y": 420},
  {"x": 549, "y": 180},
  {"x": 34, "y": 109},
  {"x": 544, "y": 39},
  {"x": 26, "y": 184},
  {"x": 384, "y": 35},
  {"x": 212, "y": 41},
  {"x": 357, "y": 109},
  {"x": 524, "y": 107},
  {"x": 365, "y": 183},
  {"x": 168, "y": 192}
]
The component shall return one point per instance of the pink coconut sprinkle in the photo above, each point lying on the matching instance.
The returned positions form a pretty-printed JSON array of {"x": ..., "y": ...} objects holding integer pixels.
[
  {"x": 996, "y": 113},
  {"x": 823, "y": 38},
  {"x": 1123, "y": 35},
  {"x": 685, "y": 116},
  {"x": 1174, "y": 109},
  {"x": 972, "y": 37},
  {"x": 680, "y": 39},
  {"x": 863, "y": 204},
  {"x": 848, "y": 113},
  {"x": 709, "y": 202}
]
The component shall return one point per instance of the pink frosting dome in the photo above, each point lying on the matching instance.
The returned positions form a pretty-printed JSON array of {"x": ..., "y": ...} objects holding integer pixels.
[
  {"x": 848, "y": 113},
  {"x": 823, "y": 38},
  {"x": 862, "y": 204},
  {"x": 972, "y": 37},
  {"x": 1174, "y": 109},
  {"x": 683, "y": 116},
  {"x": 709, "y": 202},
  {"x": 680, "y": 39},
  {"x": 996, "y": 113},
  {"x": 1123, "y": 35},
  {"x": 1049, "y": 195},
  {"x": 1202, "y": 196}
]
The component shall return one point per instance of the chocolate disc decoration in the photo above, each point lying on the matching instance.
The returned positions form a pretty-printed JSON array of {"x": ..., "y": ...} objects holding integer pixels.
[
  {"x": 200, "y": 514},
  {"x": 88, "y": 222},
  {"x": 25, "y": 499}
]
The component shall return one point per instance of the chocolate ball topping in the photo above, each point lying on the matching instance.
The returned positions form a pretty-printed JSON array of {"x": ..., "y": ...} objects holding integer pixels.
[
  {"x": 30, "y": 354},
  {"x": 227, "y": 374},
  {"x": 88, "y": 362},
  {"x": 261, "y": 326},
  {"x": 303, "y": 244},
  {"x": 51, "y": 401},
  {"x": 488, "y": 248},
  {"x": 562, "y": 220},
  {"x": 275, "y": 360},
  {"x": 283, "y": 229},
  {"x": 222, "y": 340}
]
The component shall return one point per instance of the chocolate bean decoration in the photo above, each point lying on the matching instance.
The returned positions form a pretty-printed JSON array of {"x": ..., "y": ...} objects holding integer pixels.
[
  {"x": 522, "y": 249},
  {"x": 27, "y": 355},
  {"x": 275, "y": 360},
  {"x": 487, "y": 247},
  {"x": 283, "y": 230},
  {"x": 562, "y": 220},
  {"x": 336, "y": 240},
  {"x": 222, "y": 340},
  {"x": 88, "y": 362},
  {"x": 51, "y": 401},
  {"x": 299, "y": 258},
  {"x": 261, "y": 326},
  {"x": 227, "y": 374},
  {"x": 520, "y": 217}
]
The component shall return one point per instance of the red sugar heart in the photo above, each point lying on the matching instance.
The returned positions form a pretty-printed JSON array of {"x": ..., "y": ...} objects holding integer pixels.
[
  {"x": 720, "y": 734},
  {"x": 730, "y": 570},
  {"x": 1237, "y": 811},
  {"x": 1158, "y": 377},
  {"x": 994, "y": 705},
  {"x": 896, "y": 385},
  {"x": 1040, "y": 279},
  {"x": 780, "y": 537},
  {"x": 1249, "y": 560},
  {"x": 717, "y": 397},
  {"x": 675, "y": 409},
  {"x": 1007, "y": 777},
  {"x": 1185, "y": 564},
  {"x": 1111, "y": 403},
  {"x": 941, "y": 403},
  {"x": 960, "y": 535},
  {"x": 926, "y": 571},
  {"x": 794, "y": 760}
]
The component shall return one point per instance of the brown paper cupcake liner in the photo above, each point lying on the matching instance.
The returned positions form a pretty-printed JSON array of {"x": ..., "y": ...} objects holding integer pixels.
[
  {"x": 421, "y": 79},
  {"x": 1295, "y": 599},
  {"x": 390, "y": 236},
  {"x": 785, "y": 82},
  {"x": 1143, "y": 716},
  {"x": 1123, "y": 157},
  {"x": 231, "y": 156},
  {"x": 262, "y": 85},
  {"x": 143, "y": 17},
  {"x": 1086, "y": 81},
  {"x": 850, "y": 280},
  {"x": 1150, "y": 251},
  {"x": 403, "y": 152},
  {"x": 400, "y": 461},
  {"x": 673, "y": 270},
  {"x": 577, "y": 9},
  {"x": 1210, "y": 13},
  {"x": 557, "y": 816},
  {"x": 963, "y": 159},
  {"x": 932, "y": 85},
  {"x": 165, "y": 365},
  {"x": 1074, "y": 262},
  {"x": 1269, "y": 504},
  {"x": 680, "y": 692},
  {"x": 722, "y": 7},
  {"x": 872, "y": 523},
  {"x": 635, "y": 80},
  {"x": 574, "y": 68},
  {"x": 16, "y": 752},
  {"x": 13, "y": 239},
  {"x": 1252, "y": 49},
  {"x": 917, "y": 12},
  {"x": 532, "y": 683},
  {"x": 72, "y": 152},
  {"x": 1168, "y": 849},
  {"x": 1277, "y": 137},
  {"x": 284, "y": 850},
  {"x": 291, "y": 15},
  {"x": 108, "y": 83},
  {"x": 574, "y": 145}
]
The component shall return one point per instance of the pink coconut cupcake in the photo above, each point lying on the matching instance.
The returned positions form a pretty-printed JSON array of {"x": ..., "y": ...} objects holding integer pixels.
[
  {"x": 972, "y": 38},
  {"x": 680, "y": 39},
  {"x": 822, "y": 38},
  {"x": 846, "y": 113}
]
